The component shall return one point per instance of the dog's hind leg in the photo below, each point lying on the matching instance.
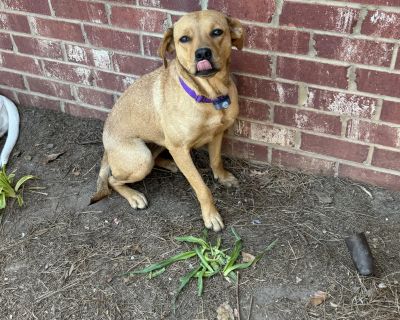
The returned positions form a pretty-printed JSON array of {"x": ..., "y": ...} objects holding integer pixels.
[
  {"x": 103, "y": 189},
  {"x": 130, "y": 162},
  {"x": 160, "y": 161}
]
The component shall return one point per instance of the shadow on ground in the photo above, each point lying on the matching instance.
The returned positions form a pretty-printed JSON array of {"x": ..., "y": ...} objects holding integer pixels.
[{"x": 59, "y": 257}]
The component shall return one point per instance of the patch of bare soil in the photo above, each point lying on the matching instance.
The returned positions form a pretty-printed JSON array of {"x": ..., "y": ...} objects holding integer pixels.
[{"x": 61, "y": 259}]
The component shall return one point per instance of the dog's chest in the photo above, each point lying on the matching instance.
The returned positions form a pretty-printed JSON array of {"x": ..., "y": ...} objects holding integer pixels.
[{"x": 212, "y": 125}]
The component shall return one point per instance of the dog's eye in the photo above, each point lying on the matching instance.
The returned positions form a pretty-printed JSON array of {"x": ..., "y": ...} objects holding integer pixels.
[
  {"x": 216, "y": 32},
  {"x": 184, "y": 39}
]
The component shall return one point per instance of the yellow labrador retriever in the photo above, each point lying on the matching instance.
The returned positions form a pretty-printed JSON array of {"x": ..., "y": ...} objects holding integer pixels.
[{"x": 185, "y": 104}]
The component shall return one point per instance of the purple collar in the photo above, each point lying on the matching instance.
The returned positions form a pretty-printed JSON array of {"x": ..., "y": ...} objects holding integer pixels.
[{"x": 221, "y": 102}]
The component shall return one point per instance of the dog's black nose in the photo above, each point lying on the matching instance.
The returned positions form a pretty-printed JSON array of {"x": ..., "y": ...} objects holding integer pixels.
[{"x": 203, "y": 53}]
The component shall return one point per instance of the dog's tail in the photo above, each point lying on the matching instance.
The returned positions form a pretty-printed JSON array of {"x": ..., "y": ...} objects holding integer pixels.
[{"x": 103, "y": 189}]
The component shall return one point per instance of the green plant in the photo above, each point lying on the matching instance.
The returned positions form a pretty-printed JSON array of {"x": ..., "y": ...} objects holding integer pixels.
[
  {"x": 212, "y": 260},
  {"x": 9, "y": 191}
]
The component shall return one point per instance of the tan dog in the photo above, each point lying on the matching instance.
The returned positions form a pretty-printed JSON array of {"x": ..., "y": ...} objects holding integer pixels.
[{"x": 159, "y": 109}]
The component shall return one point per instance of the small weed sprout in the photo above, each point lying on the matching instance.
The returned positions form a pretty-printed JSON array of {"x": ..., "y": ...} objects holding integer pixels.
[{"x": 7, "y": 190}]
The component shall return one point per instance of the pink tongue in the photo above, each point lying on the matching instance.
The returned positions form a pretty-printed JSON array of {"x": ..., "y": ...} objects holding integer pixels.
[{"x": 203, "y": 65}]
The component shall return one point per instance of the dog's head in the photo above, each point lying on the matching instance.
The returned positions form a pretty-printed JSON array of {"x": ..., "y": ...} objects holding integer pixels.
[{"x": 203, "y": 41}]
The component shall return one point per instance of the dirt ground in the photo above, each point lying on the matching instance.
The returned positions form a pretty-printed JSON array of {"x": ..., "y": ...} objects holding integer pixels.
[{"x": 61, "y": 259}]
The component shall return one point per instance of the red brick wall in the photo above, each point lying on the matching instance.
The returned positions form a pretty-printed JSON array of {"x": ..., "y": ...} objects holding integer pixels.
[{"x": 319, "y": 81}]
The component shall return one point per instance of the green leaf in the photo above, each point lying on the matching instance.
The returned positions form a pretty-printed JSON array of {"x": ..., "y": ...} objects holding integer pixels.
[
  {"x": 235, "y": 252},
  {"x": 20, "y": 200},
  {"x": 203, "y": 260},
  {"x": 165, "y": 263},
  {"x": 246, "y": 265},
  {"x": 154, "y": 274},
  {"x": 192, "y": 239},
  {"x": 2, "y": 200},
  {"x": 22, "y": 181},
  {"x": 183, "y": 281},
  {"x": 200, "y": 276}
]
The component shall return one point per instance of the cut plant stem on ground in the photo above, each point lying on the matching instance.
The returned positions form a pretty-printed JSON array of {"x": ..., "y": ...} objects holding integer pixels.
[{"x": 212, "y": 260}]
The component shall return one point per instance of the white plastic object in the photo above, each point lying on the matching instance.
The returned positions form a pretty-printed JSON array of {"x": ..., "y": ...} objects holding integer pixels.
[{"x": 9, "y": 122}]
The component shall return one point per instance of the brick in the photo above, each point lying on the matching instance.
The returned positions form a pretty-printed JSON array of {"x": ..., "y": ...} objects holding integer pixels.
[
  {"x": 21, "y": 63},
  {"x": 95, "y": 97},
  {"x": 67, "y": 72},
  {"x": 135, "y": 65},
  {"x": 373, "y": 133},
  {"x": 241, "y": 128},
  {"x": 304, "y": 163},
  {"x": 37, "y": 6},
  {"x": 264, "y": 38},
  {"x": 5, "y": 41},
  {"x": 254, "y": 109},
  {"x": 312, "y": 72},
  {"x": 82, "y": 112},
  {"x": 151, "y": 45},
  {"x": 394, "y": 3},
  {"x": 307, "y": 120},
  {"x": 187, "y": 5},
  {"x": 50, "y": 88},
  {"x": 112, "y": 39},
  {"x": 39, "y": 47},
  {"x": 80, "y": 10},
  {"x": 382, "y": 24},
  {"x": 390, "y": 112},
  {"x": 341, "y": 103},
  {"x": 272, "y": 134},
  {"x": 244, "y": 149},
  {"x": 8, "y": 93},
  {"x": 386, "y": 159},
  {"x": 249, "y": 62},
  {"x": 319, "y": 17},
  {"x": 14, "y": 22},
  {"x": 266, "y": 89},
  {"x": 138, "y": 19},
  {"x": 29, "y": 100},
  {"x": 353, "y": 50},
  {"x": 93, "y": 57},
  {"x": 112, "y": 81},
  {"x": 373, "y": 177},
  {"x": 57, "y": 29},
  {"x": 11, "y": 79},
  {"x": 397, "y": 66},
  {"x": 257, "y": 10},
  {"x": 378, "y": 82},
  {"x": 334, "y": 148}
]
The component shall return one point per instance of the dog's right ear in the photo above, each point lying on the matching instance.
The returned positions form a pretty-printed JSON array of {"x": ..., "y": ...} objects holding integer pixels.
[{"x": 167, "y": 45}]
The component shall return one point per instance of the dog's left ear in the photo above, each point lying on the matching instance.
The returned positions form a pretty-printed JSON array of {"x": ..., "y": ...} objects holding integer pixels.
[
  {"x": 167, "y": 45},
  {"x": 237, "y": 32}
]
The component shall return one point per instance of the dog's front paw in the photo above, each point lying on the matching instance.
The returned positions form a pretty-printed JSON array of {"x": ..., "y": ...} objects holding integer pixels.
[
  {"x": 213, "y": 220},
  {"x": 227, "y": 179},
  {"x": 137, "y": 200}
]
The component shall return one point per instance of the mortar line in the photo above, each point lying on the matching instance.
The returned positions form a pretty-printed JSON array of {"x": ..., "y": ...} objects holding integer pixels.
[
  {"x": 394, "y": 56},
  {"x": 378, "y": 110},
  {"x": 277, "y": 14},
  {"x": 368, "y": 161},
  {"x": 360, "y": 21}
]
